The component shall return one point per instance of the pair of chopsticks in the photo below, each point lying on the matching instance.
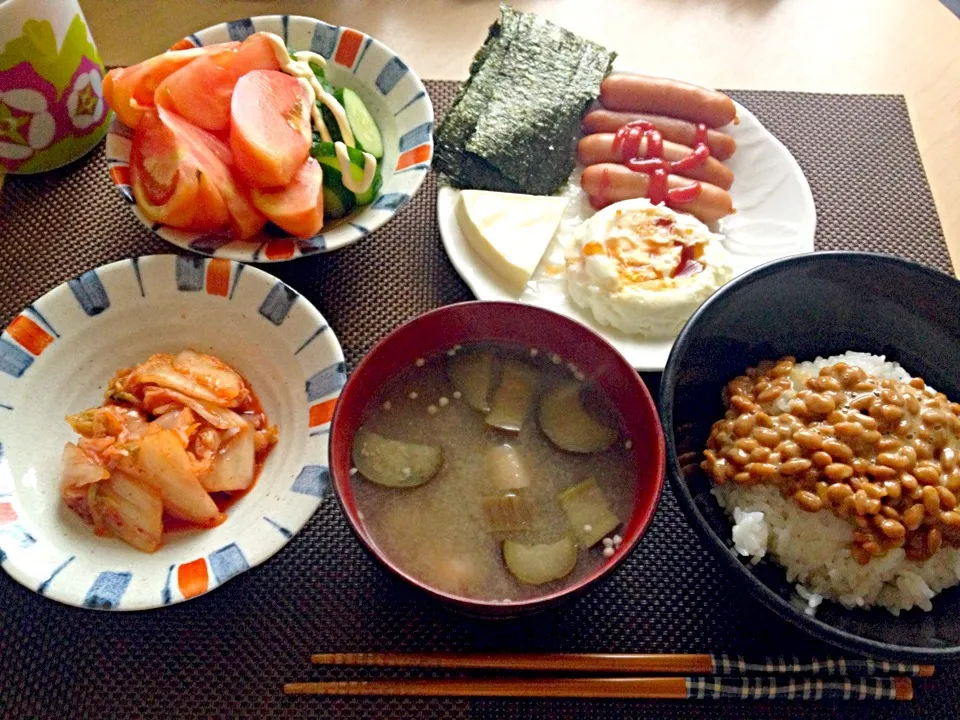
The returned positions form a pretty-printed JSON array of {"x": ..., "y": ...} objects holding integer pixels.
[{"x": 704, "y": 677}]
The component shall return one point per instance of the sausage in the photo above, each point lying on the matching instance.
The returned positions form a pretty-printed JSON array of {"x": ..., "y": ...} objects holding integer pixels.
[
  {"x": 598, "y": 148},
  {"x": 611, "y": 182},
  {"x": 660, "y": 96},
  {"x": 721, "y": 145}
]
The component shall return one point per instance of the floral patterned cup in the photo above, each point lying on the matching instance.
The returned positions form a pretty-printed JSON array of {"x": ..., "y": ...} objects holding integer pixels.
[{"x": 51, "y": 96}]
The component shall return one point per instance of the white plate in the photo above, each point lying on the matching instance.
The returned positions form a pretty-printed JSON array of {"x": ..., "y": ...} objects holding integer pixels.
[
  {"x": 56, "y": 358},
  {"x": 775, "y": 218}
]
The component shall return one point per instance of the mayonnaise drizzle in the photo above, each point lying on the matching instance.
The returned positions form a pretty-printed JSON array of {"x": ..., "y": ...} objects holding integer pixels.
[{"x": 299, "y": 67}]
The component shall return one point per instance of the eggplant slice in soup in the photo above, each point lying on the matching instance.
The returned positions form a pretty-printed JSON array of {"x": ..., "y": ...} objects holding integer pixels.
[
  {"x": 540, "y": 564},
  {"x": 471, "y": 372},
  {"x": 394, "y": 463},
  {"x": 569, "y": 425}
]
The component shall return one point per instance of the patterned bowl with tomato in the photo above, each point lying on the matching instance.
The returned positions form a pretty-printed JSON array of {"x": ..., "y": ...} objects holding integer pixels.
[{"x": 177, "y": 162}]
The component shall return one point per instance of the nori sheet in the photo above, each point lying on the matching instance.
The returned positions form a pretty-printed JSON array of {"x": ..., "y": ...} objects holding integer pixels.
[
  {"x": 461, "y": 120},
  {"x": 458, "y": 124},
  {"x": 516, "y": 121}
]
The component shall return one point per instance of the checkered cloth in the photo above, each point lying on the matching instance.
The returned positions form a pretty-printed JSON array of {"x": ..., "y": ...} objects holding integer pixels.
[
  {"x": 848, "y": 667},
  {"x": 774, "y": 688}
]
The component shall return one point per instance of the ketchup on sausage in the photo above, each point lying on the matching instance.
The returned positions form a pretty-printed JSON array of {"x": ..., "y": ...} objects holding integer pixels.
[{"x": 628, "y": 142}]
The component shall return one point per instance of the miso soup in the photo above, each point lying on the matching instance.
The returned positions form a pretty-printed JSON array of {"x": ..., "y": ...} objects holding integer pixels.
[{"x": 494, "y": 472}]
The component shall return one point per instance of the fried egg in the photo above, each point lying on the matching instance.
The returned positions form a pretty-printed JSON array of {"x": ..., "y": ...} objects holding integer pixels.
[{"x": 644, "y": 268}]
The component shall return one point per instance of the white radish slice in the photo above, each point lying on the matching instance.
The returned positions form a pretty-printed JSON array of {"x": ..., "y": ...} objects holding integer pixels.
[{"x": 507, "y": 513}]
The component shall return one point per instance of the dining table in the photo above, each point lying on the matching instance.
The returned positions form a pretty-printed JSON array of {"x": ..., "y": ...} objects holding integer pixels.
[{"x": 864, "y": 95}]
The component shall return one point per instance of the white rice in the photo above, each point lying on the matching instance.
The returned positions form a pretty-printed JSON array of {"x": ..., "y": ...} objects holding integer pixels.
[{"x": 814, "y": 548}]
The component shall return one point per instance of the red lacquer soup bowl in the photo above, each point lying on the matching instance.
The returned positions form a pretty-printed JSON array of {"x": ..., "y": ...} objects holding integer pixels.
[{"x": 516, "y": 324}]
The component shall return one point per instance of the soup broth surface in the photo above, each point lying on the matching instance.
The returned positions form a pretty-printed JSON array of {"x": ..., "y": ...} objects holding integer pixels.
[{"x": 438, "y": 532}]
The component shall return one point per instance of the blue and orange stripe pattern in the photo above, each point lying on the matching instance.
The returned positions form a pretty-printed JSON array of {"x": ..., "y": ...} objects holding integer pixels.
[
  {"x": 323, "y": 390},
  {"x": 24, "y": 340},
  {"x": 196, "y": 577},
  {"x": 416, "y": 148}
]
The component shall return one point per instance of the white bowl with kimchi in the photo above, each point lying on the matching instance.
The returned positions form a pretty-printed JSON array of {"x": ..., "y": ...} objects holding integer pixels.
[{"x": 164, "y": 426}]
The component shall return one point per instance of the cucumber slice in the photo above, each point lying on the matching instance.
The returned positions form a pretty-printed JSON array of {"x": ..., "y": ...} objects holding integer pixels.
[
  {"x": 588, "y": 512},
  {"x": 539, "y": 564},
  {"x": 331, "y": 122},
  {"x": 366, "y": 197},
  {"x": 365, "y": 130},
  {"x": 337, "y": 200},
  {"x": 328, "y": 119},
  {"x": 394, "y": 463},
  {"x": 325, "y": 152},
  {"x": 326, "y": 155},
  {"x": 333, "y": 205}
]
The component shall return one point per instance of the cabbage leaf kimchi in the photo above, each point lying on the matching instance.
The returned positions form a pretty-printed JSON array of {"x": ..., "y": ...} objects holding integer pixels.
[{"x": 175, "y": 434}]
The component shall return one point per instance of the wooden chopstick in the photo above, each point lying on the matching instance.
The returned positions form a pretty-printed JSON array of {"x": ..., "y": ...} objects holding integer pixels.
[
  {"x": 627, "y": 664},
  {"x": 670, "y": 688}
]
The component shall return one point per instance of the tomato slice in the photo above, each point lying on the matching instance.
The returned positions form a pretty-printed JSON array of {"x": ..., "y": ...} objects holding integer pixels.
[
  {"x": 298, "y": 207},
  {"x": 254, "y": 53},
  {"x": 201, "y": 90},
  {"x": 214, "y": 158},
  {"x": 169, "y": 183},
  {"x": 270, "y": 129},
  {"x": 128, "y": 91}
]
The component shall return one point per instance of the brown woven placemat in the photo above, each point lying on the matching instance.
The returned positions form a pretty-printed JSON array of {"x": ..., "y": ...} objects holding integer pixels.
[{"x": 227, "y": 654}]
